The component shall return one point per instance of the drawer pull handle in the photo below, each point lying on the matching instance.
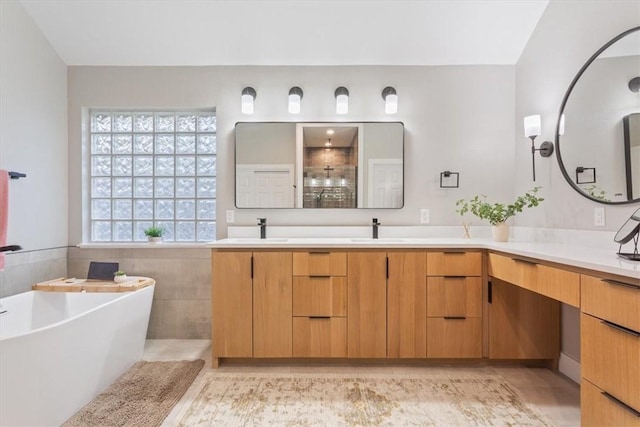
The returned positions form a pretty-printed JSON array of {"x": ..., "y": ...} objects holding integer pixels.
[
  {"x": 617, "y": 283},
  {"x": 455, "y": 277},
  {"x": 319, "y": 276},
  {"x": 621, "y": 328},
  {"x": 621, "y": 403},
  {"x": 320, "y": 317},
  {"x": 454, "y": 252},
  {"x": 525, "y": 261},
  {"x": 455, "y": 317},
  {"x": 319, "y": 253}
]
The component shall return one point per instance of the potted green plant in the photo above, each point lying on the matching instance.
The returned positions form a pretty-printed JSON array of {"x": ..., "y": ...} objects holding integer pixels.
[
  {"x": 120, "y": 276},
  {"x": 498, "y": 213},
  {"x": 154, "y": 234}
]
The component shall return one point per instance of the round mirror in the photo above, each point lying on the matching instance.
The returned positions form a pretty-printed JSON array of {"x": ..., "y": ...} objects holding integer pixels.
[{"x": 598, "y": 130}]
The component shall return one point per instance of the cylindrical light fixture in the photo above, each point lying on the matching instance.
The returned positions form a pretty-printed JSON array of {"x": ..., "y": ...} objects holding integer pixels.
[
  {"x": 342, "y": 100},
  {"x": 248, "y": 96},
  {"x": 532, "y": 126},
  {"x": 561, "y": 127},
  {"x": 390, "y": 100},
  {"x": 295, "y": 95}
]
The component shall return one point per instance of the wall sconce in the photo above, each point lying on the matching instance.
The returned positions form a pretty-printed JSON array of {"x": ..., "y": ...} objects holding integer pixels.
[
  {"x": 390, "y": 100},
  {"x": 561, "y": 126},
  {"x": 585, "y": 175},
  {"x": 532, "y": 129},
  {"x": 248, "y": 96},
  {"x": 342, "y": 100},
  {"x": 295, "y": 96},
  {"x": 634, "y": 84},
  {"x": 449, "y": 179}
]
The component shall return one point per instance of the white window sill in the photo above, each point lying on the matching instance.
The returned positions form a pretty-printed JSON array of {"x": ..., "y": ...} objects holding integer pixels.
[{"x": 144, "y": 245}]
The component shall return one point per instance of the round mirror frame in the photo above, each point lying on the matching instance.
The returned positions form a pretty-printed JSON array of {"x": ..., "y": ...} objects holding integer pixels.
[{"x": 567, "y": 177}]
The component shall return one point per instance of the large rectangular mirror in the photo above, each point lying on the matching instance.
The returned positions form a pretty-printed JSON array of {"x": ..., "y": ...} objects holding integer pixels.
[{"x": 319, "y": 165}]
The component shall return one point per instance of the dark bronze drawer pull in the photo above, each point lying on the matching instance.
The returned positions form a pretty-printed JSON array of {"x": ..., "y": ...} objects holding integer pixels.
[
  {"x": 620, "y": 403},
  {"x": 525, "y": 261},
  {"x": 319, "y": 253},
  {"x": 319, "y": 276},
  {"x": 455, "y": 277},
  {"x": 454, "y": 252},
  {"x": 617, "y": 283},
  {"x": 455, "y": 317},
  {"x": 621, "y": 328},
  {"x": 320, "y": 317}
]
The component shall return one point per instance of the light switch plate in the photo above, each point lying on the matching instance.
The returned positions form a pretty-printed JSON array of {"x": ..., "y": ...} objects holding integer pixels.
[
  {"x": 598, "y": 217},
  {"x": 425, "y": 216},
  {"x": 230, "y": 217}
]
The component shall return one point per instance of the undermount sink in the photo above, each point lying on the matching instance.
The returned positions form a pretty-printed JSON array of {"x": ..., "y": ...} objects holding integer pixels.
[
  {"x": 382, "y": 240},
  {"x": 255, "y": 240}
]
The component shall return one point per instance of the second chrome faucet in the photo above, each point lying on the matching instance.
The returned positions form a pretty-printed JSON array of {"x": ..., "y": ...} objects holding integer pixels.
[{"x": 375, "y": 225}]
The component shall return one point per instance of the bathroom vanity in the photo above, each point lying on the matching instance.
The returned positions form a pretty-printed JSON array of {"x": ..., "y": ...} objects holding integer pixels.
[{"x": 440, "y": 299}]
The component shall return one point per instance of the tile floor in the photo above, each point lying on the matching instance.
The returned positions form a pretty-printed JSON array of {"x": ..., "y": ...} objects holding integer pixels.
[{"x": 552, "y": 394}]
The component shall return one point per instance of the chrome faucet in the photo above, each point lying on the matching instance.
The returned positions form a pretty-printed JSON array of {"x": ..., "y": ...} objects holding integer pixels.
[
  {"x": 375, "y": 227},
  {"x": 262, "y": 222}
]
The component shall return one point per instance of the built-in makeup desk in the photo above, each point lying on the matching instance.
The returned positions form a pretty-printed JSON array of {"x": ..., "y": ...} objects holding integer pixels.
[{"x": 404, "y": 298}]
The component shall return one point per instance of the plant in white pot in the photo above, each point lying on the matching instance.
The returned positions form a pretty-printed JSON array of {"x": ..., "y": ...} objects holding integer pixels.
[
  {"x": 154, "y": 234},
  {"x": 498, "y": 213},
  {"x": 120, "y": 276}
]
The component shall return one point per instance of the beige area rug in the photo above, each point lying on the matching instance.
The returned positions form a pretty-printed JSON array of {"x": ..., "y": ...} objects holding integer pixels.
[
  {"x": 143, "y": 396},
  {"x": 468, "y": 399}
]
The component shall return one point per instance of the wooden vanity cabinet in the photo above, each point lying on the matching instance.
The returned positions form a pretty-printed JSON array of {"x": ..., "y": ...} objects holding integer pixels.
[
  {"x": 610, "y": 351},
  {"x": 320, "y": 304},
  {"x": 232, "y": 299},
  {"x": 406, "y": 305},
  {"x": 454, "y": 304},
  {"x": 367, "y": 304},
  {"x": 523, "y": 322}
]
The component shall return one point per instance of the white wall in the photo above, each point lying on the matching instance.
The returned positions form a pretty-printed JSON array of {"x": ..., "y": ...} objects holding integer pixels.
[
  {"x": 33, "y": 140},
  {"x": 457, "y": 118},
  {"x": 33, "y": 131},
  {"x": 568, "y": 33}
]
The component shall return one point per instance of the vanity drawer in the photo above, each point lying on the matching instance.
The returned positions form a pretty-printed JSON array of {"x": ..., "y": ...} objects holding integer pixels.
[
  {"x": 599, "y": 410},
  {"x": 611, "y": 359},
  {"x": 319, "y": 296},
  {"x": 319, "y": 337},
  {"x": 320, "y": 263},
  {"x": 454, "y": 296},
  {"x": 556, "y": 283},
  {"x": 616, "y": 301},
  {"x": 454, "y": 338},
  {"x": 454, "y": 263}
]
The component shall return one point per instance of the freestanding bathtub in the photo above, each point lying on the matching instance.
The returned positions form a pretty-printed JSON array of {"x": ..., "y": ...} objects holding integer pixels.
[{"x": 58, "y": 350}]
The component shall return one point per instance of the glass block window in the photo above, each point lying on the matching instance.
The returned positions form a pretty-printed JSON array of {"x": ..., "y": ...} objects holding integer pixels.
[{"x": 153, "y": 168}]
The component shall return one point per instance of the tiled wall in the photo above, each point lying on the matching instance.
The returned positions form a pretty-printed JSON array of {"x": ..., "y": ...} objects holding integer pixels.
[
  {"x": 23, "y": 269},
  {"x": 182, "y": 298}
]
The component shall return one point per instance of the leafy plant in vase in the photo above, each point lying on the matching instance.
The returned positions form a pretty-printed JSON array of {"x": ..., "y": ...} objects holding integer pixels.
[
  {"x": 498, "y": 213},
  {"x": 120, "y": 276},
  {"x": 154, "y": 234}
]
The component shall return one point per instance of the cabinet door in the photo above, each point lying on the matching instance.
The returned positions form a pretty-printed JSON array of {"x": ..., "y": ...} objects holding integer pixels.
[
  {"x": 406, "y": 305},
  {"x": 231, "y": 306},
  {"x": 367, "y": 304},
  {"x": 272, "y": 304},
  {"x": 522, "y": 324}
]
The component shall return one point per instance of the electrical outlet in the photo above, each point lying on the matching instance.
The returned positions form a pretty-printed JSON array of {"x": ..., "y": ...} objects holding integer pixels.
[
  {"x": 598, "y": 217},
  {"x": 425, "y": 216},
  {"x": 230, "y": 217}
]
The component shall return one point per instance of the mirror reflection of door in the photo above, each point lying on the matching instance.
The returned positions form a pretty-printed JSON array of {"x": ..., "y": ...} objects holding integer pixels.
[{"x": 632, "y": 154}]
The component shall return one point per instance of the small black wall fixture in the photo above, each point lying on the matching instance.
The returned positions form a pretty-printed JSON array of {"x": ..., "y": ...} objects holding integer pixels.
[
  {"x": 582, "y": 172},
  {"x": 634, "y": 84},
  {"x": 447, "y": 176},
  {"x": 17, "y": 175}
]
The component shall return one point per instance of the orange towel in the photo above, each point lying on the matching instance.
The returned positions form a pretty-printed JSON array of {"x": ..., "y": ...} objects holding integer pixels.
[{"x": 4, "y": 211}]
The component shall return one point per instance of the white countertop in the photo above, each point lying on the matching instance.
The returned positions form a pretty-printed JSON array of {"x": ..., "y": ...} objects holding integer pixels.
[{"x": 597, "y": 259}]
